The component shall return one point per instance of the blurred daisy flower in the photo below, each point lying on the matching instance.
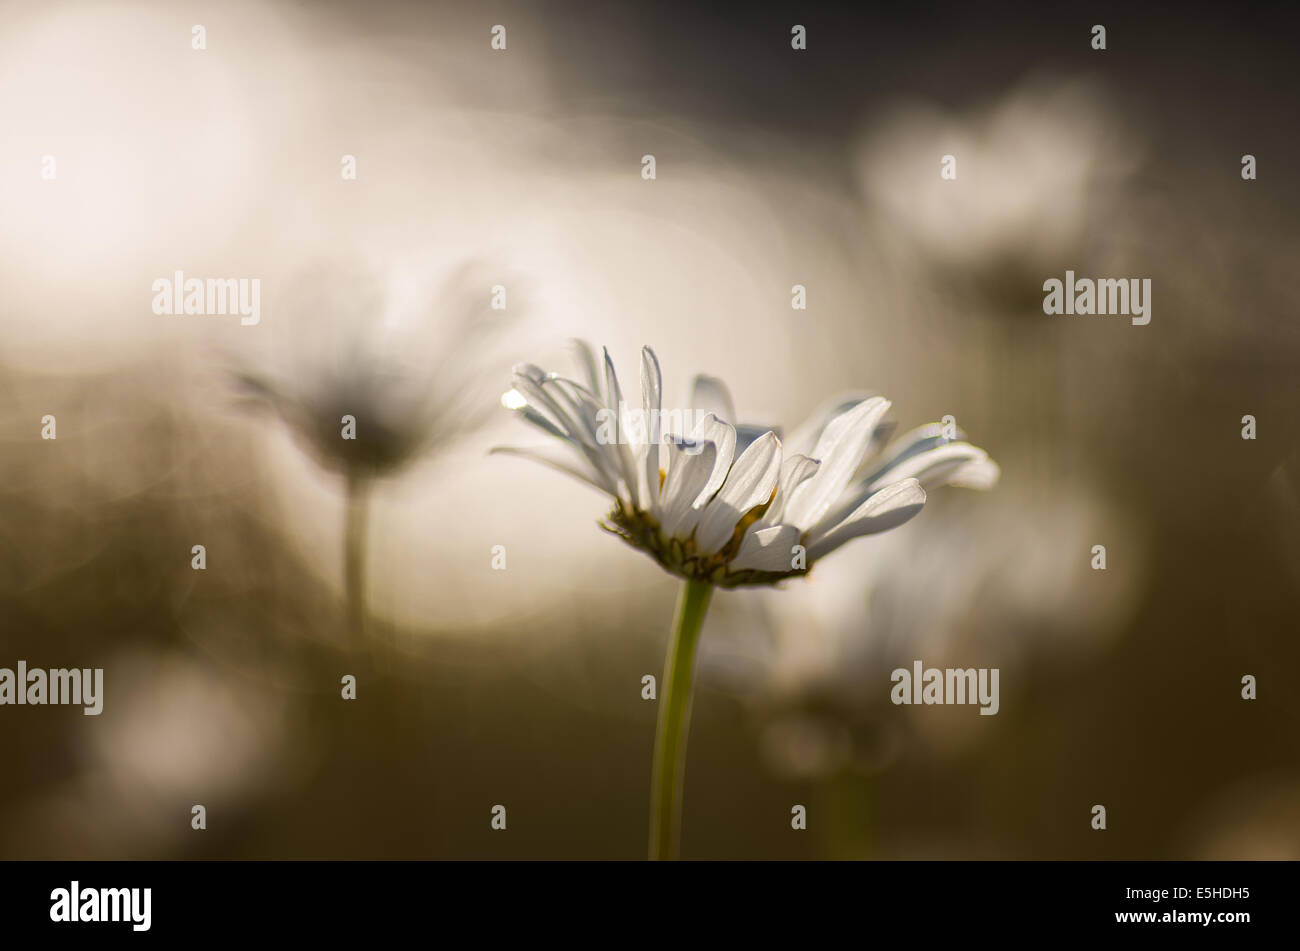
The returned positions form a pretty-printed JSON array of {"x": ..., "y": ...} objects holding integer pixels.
[
  {"x": 1009, "y": 582},
  {"x": 1030, "y": 176},
  {"x": 368, "y": 381},
  {"x": 727, "y": 505}
]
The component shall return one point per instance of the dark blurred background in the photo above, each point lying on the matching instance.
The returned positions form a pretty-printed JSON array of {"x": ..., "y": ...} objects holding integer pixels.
[{"x": 774, "y": 167}]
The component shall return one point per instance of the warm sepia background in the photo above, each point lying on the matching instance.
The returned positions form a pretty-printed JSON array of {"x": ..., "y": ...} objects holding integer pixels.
[{"x": 522, "y": 168}]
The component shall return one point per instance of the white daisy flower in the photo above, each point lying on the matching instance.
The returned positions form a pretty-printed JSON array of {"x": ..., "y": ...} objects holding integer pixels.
[{"x": 730, "y": 504}]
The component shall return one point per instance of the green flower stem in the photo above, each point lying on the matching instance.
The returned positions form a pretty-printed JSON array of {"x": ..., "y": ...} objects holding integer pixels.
[
  {"x": 355, "y": 529},
  {"x": 674, "y": 720}
]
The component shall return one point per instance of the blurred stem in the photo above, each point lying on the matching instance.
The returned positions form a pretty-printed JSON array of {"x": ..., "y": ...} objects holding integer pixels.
[
  {"x": 849, "y": 804},
  {"x": 674, "y": 720},
  {"x": 355, "y": 529}
]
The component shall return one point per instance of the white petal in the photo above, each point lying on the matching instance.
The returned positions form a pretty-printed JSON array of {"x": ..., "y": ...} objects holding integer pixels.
[
  {"x": 587, "y": 359},
  {"x": 890, "y": 507},
  {"x": 579, "y": 406},
  {"x": 747, "y": 434},
  {"x": 919, "y": 440},
  {"x": 553, "y": 398},
  {"x": 613, "y": 393},
  {"x": 690, "y": 463},
  {"x": 620, "y": 453},
  {"x": 933, "y": 467},
  {"x": 531, "y": 382},
  {"x": 516, "y": 401},
  {"x": 547, "y": 458},
  {"x": 804, "y": 438},
  {"x": 528, "y": 384},
  {"x": 795, "y": 470},
  {"x": 710, "y": 395},
  {"x": 652, "y": 403},
  {"x": 957, "y": 464},
  {"x": 767, "y": 549},
  {"x": 723, "y": 435},
  {"x": 530, "y": 370},
  {"x": 839, "y": 450},
  {"x": 584, "y": 410},
  {"x": 750, "y": 483},
  {"x": 979, "y": 474}
]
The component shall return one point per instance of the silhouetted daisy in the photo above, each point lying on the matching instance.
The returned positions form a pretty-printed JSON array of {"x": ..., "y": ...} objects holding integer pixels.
[{"x": 367, "y": 383}]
